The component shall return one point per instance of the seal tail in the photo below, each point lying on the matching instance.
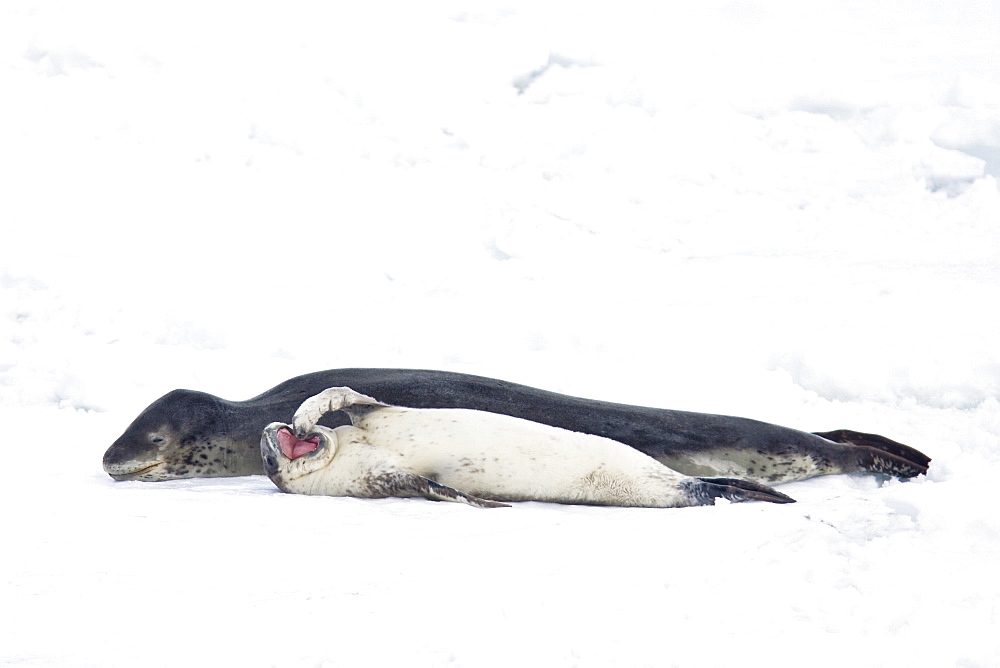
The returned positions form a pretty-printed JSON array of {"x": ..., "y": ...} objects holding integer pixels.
[
  {"x": 881, "y": 455},
  {"x": 706, "y": 490}
]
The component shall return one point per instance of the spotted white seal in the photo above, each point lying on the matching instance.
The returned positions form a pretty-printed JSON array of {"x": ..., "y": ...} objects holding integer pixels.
[{"x": 474, "y": 457}]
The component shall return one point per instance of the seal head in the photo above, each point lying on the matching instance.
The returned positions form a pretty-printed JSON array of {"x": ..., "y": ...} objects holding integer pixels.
[{"x": 191, "y": 440}]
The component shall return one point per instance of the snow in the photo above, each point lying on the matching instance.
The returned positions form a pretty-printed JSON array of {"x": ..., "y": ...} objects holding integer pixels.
[{"x": 786, "y": 211}]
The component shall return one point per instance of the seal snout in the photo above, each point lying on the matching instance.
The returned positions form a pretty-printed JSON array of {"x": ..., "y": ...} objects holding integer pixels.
[
  {"x": 130, "y": 470},
  {"x": 294, "y": 447}
]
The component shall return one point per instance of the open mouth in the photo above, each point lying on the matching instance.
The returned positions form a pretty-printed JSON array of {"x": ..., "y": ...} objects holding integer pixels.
[{"x": 294, "y": 447}]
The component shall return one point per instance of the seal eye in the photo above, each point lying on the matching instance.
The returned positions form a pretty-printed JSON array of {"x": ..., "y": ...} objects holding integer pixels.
[{"x": 156, "y": 440}]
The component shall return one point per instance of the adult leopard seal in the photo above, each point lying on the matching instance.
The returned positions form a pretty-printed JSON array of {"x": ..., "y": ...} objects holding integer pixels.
[
  {"x": 474, "y": 457},
  {"x": 188, "y": 434}
]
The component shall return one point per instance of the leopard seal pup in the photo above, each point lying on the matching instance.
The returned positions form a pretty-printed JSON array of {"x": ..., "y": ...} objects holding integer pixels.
[
  {"x": 473, "y": 457},
  {"x": 189, "y": 434}
]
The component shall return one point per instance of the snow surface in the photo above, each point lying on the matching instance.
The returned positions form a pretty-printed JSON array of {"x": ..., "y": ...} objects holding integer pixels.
[{"x": 782, "y": 210}]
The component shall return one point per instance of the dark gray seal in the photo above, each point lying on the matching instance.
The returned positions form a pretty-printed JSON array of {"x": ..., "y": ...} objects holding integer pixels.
[
  {"x": 473, "y": 457},
  {"x": 188, "y": 434}
]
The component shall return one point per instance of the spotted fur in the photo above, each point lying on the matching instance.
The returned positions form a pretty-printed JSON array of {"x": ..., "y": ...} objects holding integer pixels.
[{"x": 476, "y": 457}]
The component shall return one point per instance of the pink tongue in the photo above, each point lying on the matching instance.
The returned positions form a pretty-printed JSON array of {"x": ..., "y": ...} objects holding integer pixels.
[{"x": 292, "y": 447}]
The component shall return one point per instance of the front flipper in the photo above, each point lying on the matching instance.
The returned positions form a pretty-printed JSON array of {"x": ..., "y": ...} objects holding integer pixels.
[
  {"x": 706, "y": 490},
  {"x": 402, "y": 484},
  {"x": 880, "y": 454},
  {"x": 328, "y": 401}
]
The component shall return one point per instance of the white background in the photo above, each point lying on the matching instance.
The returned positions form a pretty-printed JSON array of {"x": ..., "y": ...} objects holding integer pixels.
[{"x": 781, "y": 210}]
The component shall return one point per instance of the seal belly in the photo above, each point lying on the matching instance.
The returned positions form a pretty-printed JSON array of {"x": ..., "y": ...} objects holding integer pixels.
[
  {"x": 750, "y": 464},
  {"x": 503, "y": 458}
]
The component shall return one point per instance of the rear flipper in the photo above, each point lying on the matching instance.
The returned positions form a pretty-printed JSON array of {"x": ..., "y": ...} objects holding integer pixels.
[
  {"x": 706, "y": 490},
  {"x": 881, "y": 455}
]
